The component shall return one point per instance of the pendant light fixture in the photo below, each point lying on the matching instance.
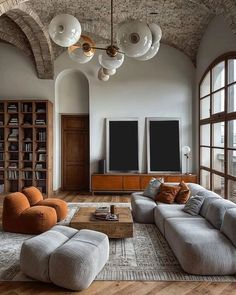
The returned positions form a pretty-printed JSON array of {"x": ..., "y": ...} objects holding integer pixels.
[{"x": 134, "y": 38}]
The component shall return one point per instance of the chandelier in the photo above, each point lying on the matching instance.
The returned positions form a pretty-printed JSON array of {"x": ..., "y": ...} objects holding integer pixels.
[{"x": 135, "y": 39}]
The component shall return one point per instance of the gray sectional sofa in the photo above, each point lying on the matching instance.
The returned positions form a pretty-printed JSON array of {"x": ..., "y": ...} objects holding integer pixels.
[{"x": 204, "y": 244}]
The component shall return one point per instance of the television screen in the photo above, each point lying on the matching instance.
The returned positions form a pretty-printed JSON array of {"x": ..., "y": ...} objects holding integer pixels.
[
  {"x": 163, "y": 146},
  {"x": 122, "y": 145}
]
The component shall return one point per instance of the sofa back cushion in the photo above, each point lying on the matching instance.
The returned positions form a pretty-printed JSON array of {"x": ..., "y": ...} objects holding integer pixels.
[
  {"x": 216, "y": 211},
  {"x": 229, "y": 224},
  {"x": 210, "y": 197},
  {"x": 195, "y": 188},
  {"x": 33, "y": 195}
]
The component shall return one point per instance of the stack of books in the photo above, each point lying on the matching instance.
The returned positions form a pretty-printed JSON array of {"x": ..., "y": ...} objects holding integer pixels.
[
  {"x": 42, "y": 135},
  {"x": 13, "y": 165},
  {"x": 103, "y": 213},
  {"x": 12, "y": 108},
  {"x": 13, "y": 121},
  {"x": 40, "y": 122},
  {"x": 13, "y": 136}
]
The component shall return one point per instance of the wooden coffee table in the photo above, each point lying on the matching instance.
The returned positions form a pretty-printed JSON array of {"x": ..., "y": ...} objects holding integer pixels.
[{"x": 123, "y": 228}]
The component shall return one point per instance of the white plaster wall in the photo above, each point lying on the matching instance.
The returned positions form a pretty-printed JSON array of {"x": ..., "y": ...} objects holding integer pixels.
[
  {"x": 161, "y": 87},
  {"x": 217, "y": 40},
  {"x": 18, "y": 78}
]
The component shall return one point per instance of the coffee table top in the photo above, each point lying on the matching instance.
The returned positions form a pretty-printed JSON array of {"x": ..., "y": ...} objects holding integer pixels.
[{"x": 122, "y": 228}]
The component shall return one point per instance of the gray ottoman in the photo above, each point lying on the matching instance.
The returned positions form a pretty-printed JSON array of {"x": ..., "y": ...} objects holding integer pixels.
[{"x": 65, "y": 256}]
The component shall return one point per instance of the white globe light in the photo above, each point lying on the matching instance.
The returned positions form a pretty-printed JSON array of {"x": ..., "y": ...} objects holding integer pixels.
[
  {"x": 156, "y": 33},
  {"x": 151, "y": 52},
  {"x": 109, "y": 72},
  {"x": 102, "y": 76},
  {"x": 78, "y": 54},
  {"x": 186, "y": 149},
  {"x": 109, "y": 62},
  {"x": 64, "y": 30},
  {"x": 134, "y": 38}
]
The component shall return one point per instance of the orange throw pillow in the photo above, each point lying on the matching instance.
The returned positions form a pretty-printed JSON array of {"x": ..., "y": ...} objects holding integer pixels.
[
  {"x": 184, "y": 193},
  {"x": 167, "y": 193}
]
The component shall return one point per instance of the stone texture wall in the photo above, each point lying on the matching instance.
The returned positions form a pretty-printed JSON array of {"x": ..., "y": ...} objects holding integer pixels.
[{"x": 183, "y": 22}]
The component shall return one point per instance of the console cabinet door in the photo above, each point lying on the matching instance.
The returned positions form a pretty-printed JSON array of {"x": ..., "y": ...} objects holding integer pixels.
[
  {"x": 131, "y": 183},
  {"x": 107, "y": 182}
]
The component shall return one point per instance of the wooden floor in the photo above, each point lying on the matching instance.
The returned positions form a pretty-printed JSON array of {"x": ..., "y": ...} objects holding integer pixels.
[{"x": 116, "y": 287}]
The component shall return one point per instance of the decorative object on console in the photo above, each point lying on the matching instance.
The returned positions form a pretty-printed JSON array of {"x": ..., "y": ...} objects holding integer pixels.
[
  {"x": 186, "y": 150},
  {"x": 153, "y": 187},
  {"x": 167, "y": 193},
  {"x": 194, "y": 204},
  {"x": 163, "y": 145},
  {"x": 134, "y": 38},
  {"x": 122, "y": 145}
]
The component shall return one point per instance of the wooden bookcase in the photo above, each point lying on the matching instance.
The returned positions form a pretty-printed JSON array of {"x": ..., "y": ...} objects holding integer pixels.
[
  {"x": 133, "y": 182},
  {"x": 26, "y": 142}
]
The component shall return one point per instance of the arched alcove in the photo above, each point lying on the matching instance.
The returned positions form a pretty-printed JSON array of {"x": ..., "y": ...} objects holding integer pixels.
[{"x": 71, "y": 97}]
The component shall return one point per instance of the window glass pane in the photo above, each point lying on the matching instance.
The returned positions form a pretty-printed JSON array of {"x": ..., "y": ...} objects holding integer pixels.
[
  {"x": 231, "y": 70},
  {"x": 232, "y": 162},
  {"x": 218, "y": 130},
  {"x": 205, "y": 134},
  {"x": 205, "y": 157},
  {"x": 205, "y": 108},
  {"x": 232, "y": 190},
  {"x": 218, "y": 102},
  {"x": 218, "y": 159},
  {"x": 232, "y": 133},
  {"x": 218, "y": 184},
  {"x": 218, "y": 76},
  {"x": 205, "y": 86},
  {"x": 232, "y": 98},
  {"x": 205, "y": 179}
]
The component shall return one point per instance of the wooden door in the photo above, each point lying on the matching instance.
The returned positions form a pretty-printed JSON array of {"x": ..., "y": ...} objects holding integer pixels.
[{"x": 75, "y": 152}]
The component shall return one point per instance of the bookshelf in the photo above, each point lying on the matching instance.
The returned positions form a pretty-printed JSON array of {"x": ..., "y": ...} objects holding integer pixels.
[{"x": 26, "y": 140}]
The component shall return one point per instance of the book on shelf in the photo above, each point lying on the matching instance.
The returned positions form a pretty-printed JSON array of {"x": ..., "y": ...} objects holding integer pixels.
[
  {"x": 40, "y": 122},
  {"x": 12, "y": 175},
  {"x": 40, "y": 175},
  {"x": 42, "y": 157},
  {"x": 13, "y": 121},
  {"x": 1, "y": 187},
  {"x": 13, "y": 165},
  {"x": 38, "y": 166},
  {"x": 27, "y": 147},
  {"x": 12, "y": 108},
  {"x": 42, "y": 135}
]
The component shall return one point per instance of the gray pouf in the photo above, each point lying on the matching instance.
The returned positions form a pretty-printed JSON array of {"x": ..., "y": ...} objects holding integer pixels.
[{"x": 65, "y": 256}]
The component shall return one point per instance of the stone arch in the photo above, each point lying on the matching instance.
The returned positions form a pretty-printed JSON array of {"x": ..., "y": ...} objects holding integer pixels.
[
  {"x": 13, "y": 41},
  {"x": 38, "y": 37}
]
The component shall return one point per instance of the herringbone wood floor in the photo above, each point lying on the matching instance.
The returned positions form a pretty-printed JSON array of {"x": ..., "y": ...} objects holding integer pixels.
[{"x": 116, "y": 287}]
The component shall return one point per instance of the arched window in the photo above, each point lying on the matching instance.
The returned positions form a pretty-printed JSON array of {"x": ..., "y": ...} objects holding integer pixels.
[{"x": 217, "y": 130}]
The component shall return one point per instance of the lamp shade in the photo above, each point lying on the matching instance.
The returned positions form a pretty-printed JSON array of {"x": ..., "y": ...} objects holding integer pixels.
[
  {"x": 82, "y": 52},
  {"x": 109, "y": 62},
  {"x": 134, "y": 38},
  {"x": 186, "y": 149},
  {"x": 64, "y": 30},
  {"x": 156, "y": 33},
  {"x": 102, "y": 76},
  {"x": 151, "y": 52}
]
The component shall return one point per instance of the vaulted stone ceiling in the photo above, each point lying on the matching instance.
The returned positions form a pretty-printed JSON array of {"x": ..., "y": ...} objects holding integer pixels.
[{"x": 24, "y": 23}]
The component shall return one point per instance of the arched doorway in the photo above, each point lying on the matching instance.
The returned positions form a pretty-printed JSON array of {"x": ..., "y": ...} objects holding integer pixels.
[{"x": 72, "y": 94}]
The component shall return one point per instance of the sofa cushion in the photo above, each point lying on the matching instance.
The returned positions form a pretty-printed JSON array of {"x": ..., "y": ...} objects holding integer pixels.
[
  {"x": 167, "y": 193},
  {"x": 195, "y": 188},
  {"x": 207, "y": 202},
  {"x": 194, "y": 204},
  {"x": 164, "y": 211},
  {"x": 153, "y": 187},
  {"x": 199, "y": 247},
  {"x": 216, "y": 211},
  {"x": 142, "y": 208},
  {"x": 184, "y": 193},
  {"x": 229, "y": 224}
]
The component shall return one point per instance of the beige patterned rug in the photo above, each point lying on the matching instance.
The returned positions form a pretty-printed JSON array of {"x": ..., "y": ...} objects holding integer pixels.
[{"x": 146, "y": 257}]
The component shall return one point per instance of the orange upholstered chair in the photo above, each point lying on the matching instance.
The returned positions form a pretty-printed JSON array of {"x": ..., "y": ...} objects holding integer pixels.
[
  {"x": 19, "y": 217},
  {"x": 35, "y": 198}
]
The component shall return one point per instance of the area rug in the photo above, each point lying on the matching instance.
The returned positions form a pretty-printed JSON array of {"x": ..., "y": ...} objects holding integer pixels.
[{"x": 146, "y": 257}]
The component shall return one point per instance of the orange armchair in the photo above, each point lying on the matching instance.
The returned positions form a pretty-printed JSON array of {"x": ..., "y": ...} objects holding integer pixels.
[
  {"x": 35, "y": 198},
  {"x": 19, "y": 217}
]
